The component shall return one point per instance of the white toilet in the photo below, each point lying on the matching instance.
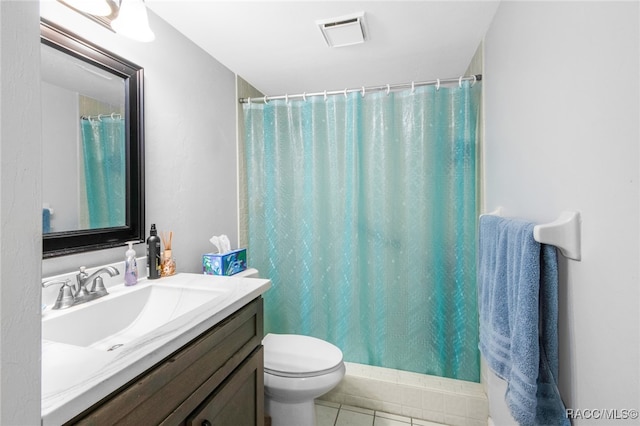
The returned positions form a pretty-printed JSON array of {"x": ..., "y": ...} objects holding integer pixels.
[{"x": 297, "y": 369}]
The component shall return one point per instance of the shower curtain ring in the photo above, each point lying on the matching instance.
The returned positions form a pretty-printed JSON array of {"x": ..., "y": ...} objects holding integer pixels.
[
  {"x": 460, "y": 82},
  {"x": 286, "y": 98},
  {"x": 304, "y": 96},
  {"x": 100, "y": 117},
  {"x": 363, "y": 91},
  {"x": 388, "y": 89},
  {"x": 266, "y": 99},
  {"x": 249, "y": 101},
  {"x": 413, "y": 87},
  {"x": 437, "y": 84},
  {"x": 345, "y": 93},
  {"x": 474, "y": 80},
  {"x": 325, "y": 95}
]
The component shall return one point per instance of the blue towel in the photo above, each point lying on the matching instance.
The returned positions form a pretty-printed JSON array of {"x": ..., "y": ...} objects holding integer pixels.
[{"x": 518, "y": 307}]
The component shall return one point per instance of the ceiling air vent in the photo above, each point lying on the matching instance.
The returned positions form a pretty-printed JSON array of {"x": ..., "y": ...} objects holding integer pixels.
[{"x": 343, "y": 31}]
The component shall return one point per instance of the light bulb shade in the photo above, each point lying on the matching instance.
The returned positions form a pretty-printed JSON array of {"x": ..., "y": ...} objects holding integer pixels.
[
  {"x": 133, "y": 21},
  {"x": 92, "y": 7}
]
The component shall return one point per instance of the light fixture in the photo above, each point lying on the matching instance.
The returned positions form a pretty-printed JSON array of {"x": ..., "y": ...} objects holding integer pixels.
[
  {"x": 344, "y": 30},
  {"x": 92, "y": 7},
  {"x": 133, "y": 21}
]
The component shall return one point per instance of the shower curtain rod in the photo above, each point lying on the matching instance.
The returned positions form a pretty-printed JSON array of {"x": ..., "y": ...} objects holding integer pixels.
[
  {"x": 100, "y": 116},
  {"x": 364, "y": 90}
]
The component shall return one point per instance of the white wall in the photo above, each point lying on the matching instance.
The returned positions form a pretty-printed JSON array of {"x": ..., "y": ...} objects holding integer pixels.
[
  {"x": 189, "y": 100},
  {"x": 60, "y": 167},
  {"x": 20, "y": 213},
  {"x": 562, "y": 132}
]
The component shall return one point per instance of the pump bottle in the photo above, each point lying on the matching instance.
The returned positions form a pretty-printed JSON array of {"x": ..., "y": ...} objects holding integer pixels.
[{"x": 130, "y": 266}]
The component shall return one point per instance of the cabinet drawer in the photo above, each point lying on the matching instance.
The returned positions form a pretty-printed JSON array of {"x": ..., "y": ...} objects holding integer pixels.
[
  {"x": 238, "y": 401},
  {"x": 175, "y": 387}
]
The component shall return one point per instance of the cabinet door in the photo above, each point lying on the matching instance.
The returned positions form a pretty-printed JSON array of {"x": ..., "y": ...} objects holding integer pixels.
[
  {"x": 238, "y": 401},
  {"x": 171, "y": 390}
]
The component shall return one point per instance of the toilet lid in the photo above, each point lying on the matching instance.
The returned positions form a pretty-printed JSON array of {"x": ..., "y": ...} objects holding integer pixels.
[{"x": 295, "y": 355}]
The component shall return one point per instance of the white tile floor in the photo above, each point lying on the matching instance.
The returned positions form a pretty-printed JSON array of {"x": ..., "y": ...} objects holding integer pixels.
[{"x": 333, "y": 414}]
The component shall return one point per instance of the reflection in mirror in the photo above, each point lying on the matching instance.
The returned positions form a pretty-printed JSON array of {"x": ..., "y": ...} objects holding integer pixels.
[
  {"x": 83, "y": 125},
  {"x": 92, "y": 145}
]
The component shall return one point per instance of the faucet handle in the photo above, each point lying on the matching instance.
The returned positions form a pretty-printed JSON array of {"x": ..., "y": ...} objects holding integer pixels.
[
  {"x": 54, "y": 282},
  {"x": 65, "y": 295},
  {"x": 98, "y": 287}
]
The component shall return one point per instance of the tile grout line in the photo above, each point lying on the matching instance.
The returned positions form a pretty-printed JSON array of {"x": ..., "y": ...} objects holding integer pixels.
[{"x": 374, "y": 415}]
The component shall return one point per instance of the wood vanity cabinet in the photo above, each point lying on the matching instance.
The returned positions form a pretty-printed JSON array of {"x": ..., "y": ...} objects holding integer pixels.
[{"x": 216, "y": 379}]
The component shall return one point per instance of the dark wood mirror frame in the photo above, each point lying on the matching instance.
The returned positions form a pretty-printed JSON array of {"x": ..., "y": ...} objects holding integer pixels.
[{"x": 71, "y": 242}]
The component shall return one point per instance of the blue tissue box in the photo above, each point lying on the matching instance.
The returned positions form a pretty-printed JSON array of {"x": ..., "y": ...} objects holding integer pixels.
[{"x": 224, "y": 264}]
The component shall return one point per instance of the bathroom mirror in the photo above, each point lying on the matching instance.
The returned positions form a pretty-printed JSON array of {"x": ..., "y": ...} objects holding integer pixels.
[{"x": 93, "y": 149}]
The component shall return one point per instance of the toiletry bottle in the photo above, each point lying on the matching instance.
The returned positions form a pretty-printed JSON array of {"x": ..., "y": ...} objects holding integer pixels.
[
  {"x": 153, "y": 253},
  {"x": 130, "y": 266}
]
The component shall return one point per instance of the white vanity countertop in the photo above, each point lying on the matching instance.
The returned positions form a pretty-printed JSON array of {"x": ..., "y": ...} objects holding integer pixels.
[{"x": 74, "y": 377}]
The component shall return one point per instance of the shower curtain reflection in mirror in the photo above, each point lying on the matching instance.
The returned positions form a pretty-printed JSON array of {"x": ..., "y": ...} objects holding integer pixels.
[{"x": 103, "y": 155}]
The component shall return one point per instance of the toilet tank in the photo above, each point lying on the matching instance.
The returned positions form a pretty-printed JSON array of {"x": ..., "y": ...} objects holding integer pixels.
[{"x": 248, "y": 273}]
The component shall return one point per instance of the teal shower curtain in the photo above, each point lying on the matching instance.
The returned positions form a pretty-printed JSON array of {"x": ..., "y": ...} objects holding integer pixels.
[
  {"x": 362, "y": 211},
  {"x": 104, "y": 155}
]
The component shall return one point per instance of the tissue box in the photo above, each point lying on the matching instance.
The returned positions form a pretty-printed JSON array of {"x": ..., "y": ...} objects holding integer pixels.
[{"x": 224, "y": 263}]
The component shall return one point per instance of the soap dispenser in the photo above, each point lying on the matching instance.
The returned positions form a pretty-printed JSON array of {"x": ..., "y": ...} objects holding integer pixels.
[{"x": 130, "y": 266}]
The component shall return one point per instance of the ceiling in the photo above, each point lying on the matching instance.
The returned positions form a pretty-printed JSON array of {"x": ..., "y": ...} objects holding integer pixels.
[
  {"x": 76, "y": 75},
  {"x": 278, "y": 48}
]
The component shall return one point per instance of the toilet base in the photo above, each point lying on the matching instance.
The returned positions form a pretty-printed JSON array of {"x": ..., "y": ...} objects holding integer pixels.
[{"x": 290, "y": 414}]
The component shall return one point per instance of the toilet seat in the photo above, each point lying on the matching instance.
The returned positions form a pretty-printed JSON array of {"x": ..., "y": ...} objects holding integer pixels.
[{"x": 291, "y": 355}]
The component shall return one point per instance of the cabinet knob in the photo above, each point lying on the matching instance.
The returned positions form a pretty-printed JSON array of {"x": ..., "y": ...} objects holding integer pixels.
[{"x": 206, "y": 423}]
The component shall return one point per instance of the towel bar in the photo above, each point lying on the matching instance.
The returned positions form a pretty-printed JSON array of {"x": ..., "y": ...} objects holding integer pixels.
[
  {"x": 496, "y": 212},
  {"x": 564, "y": 233}
]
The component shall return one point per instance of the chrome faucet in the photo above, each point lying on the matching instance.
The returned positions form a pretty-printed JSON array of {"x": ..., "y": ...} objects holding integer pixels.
[
  {"x": 70, "y": 295},
  {"x": 82, "y": 293}
]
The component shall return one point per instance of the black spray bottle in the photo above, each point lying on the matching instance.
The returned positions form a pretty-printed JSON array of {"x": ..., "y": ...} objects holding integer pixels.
[{"x": 153, "y": 253}]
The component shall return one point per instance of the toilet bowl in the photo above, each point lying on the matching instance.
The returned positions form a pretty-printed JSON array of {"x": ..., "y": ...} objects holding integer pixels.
[{"x": 298, "y": 369}]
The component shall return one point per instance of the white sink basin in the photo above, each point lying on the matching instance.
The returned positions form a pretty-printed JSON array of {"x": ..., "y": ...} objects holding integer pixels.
[{"x": 113, "y": 321}]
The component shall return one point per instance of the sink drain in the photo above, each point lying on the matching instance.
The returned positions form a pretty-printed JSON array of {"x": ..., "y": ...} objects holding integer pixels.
[{"x": 114, "y": 347}]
